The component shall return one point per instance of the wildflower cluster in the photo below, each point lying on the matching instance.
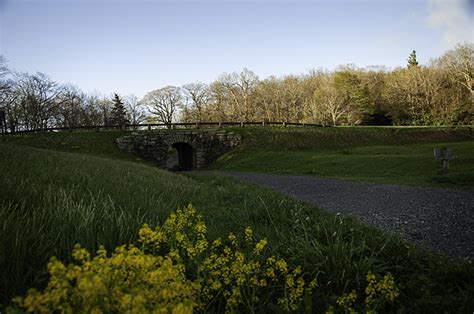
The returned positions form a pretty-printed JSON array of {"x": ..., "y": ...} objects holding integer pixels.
[
  {"x": 126, "y": 281},
  {"x": 378, "y": 293},
  {"x": 243, "y": 279},
  {"x": 347, "y": 301},
  {"x": 174, "y": 270},
  {"x": 381, "y": 291},
  {"x": 183, "y": 231}
]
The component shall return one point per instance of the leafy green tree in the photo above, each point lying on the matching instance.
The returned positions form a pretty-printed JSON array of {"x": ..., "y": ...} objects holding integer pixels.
[
  {"x": 412, "y": 62},
  {"x": 118, "y": 113},
  {"x": 353, "y": 94}
]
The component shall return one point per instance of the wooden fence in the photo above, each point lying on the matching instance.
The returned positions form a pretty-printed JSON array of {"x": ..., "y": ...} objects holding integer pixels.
[{"x": 173, "y": 126}]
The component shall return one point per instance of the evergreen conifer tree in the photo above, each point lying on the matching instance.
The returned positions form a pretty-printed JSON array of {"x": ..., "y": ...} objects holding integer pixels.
[
  {"x": 412, "y": 59},
  {"x": 118, "y": 114}
]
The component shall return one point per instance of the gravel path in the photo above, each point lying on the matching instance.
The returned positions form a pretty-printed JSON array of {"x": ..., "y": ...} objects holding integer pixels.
[{"x": 442, "y": 219}]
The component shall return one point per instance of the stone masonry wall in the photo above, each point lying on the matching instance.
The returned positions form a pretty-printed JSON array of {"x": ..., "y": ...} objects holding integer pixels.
[{"x": 153, "y": 145}]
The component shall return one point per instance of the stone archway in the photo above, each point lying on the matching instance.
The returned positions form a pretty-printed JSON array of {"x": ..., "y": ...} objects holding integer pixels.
[
  {"x": 186, "y": 156},
  {"x": 195, "y": 148}
]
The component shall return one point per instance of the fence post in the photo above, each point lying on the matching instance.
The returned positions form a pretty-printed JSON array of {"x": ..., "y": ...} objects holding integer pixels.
[
  {"x": 241, "y": 124},
  {"x": 263, "y": 123},
  {"x": 220, "y": 124},
  {"x": 3, "y": 121}
]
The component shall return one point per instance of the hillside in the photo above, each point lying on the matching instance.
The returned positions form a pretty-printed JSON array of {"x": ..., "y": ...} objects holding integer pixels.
[
  {"x": 89, "y": 142},
  {"x": 377, "y": 154}
]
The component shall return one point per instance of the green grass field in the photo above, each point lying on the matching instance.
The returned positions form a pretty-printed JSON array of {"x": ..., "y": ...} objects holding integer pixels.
[
  {"x": 377, "y": 154},
  {"x": 83, "y": 190},
  {"x": 88, "y": 142},
  {"x": 390, "y": 155},
  {"x": 304, "y": 138},
  {"x": 404, "y": 164}
]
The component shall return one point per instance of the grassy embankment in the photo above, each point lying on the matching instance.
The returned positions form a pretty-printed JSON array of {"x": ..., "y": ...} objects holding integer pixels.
[
  {"x": 378, "y": 154},
  {"x": 51, "y": 200},
  {"x": 101, "y": 144}
]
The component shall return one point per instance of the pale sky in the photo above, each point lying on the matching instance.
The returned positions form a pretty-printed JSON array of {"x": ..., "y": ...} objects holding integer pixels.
[{"x": 132, "y": 47}]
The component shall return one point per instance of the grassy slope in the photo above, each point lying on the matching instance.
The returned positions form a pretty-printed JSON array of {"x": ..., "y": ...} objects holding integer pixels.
[
  {"x": 88, "y": 142},
  {"x": 392, "y": 155},
  {"x": 51, "y": 200}
]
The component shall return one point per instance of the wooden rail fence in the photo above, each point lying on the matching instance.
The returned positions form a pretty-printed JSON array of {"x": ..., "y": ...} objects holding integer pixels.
[{"x": 173, "y": 126}]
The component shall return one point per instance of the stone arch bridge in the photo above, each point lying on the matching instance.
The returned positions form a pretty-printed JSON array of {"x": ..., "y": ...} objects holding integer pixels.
[{"x": 195, "y": 148}]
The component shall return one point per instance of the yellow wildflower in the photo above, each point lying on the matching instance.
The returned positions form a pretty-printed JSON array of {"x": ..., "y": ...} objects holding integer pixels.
[
  {"x": 347, "y": 301},
  {"x": 217, "y": 242},
  {"x": 260, "y": 246},
  {"x": 233, "y": 239},
  {"x": 384, "y": 289},
  {"x": 281, "y": 266},
  {"x": 248, "y": 234},
  {"x": 80, "y": 254}
]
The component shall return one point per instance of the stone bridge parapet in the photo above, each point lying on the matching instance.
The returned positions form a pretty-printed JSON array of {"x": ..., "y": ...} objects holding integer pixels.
[{"x": 204, "y": 146}]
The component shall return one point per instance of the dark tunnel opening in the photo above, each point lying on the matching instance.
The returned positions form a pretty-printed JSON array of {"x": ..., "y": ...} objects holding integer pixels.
[{"x": 184, "y": 159}]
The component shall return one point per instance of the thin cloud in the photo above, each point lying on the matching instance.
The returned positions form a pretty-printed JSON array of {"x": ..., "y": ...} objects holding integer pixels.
[{"x": 454, "y": 18}]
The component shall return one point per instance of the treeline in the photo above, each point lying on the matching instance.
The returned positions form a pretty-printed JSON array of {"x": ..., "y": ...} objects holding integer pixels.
[
  {"x": 438, "y": 93},
  {"x": 34, "y": 101}
]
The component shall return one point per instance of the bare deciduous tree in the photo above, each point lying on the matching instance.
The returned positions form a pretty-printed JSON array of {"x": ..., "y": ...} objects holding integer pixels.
[
  {"x": 459, "y": 63},
  {"x": 4, "y": 82},
  {"x": 71, "y": 112},
  {"x": 10, "y": 103},
  {"x": 164, "y": 103},
  {"x": 198, "y": 95},
  {"x": 267, "y": 102},
  {"x": 239, "y": 87},
  {"x": 93, "y": 113},
  {"x": 135, "y": 109},
  {"x": 330, "y": 101},
  {"x": 39, "y": 99},
  {"x": 293, "y": 98}
]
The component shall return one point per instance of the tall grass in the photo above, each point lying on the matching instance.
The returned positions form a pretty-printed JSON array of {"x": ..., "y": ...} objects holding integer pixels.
[{"x": 51, "y": 200}]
